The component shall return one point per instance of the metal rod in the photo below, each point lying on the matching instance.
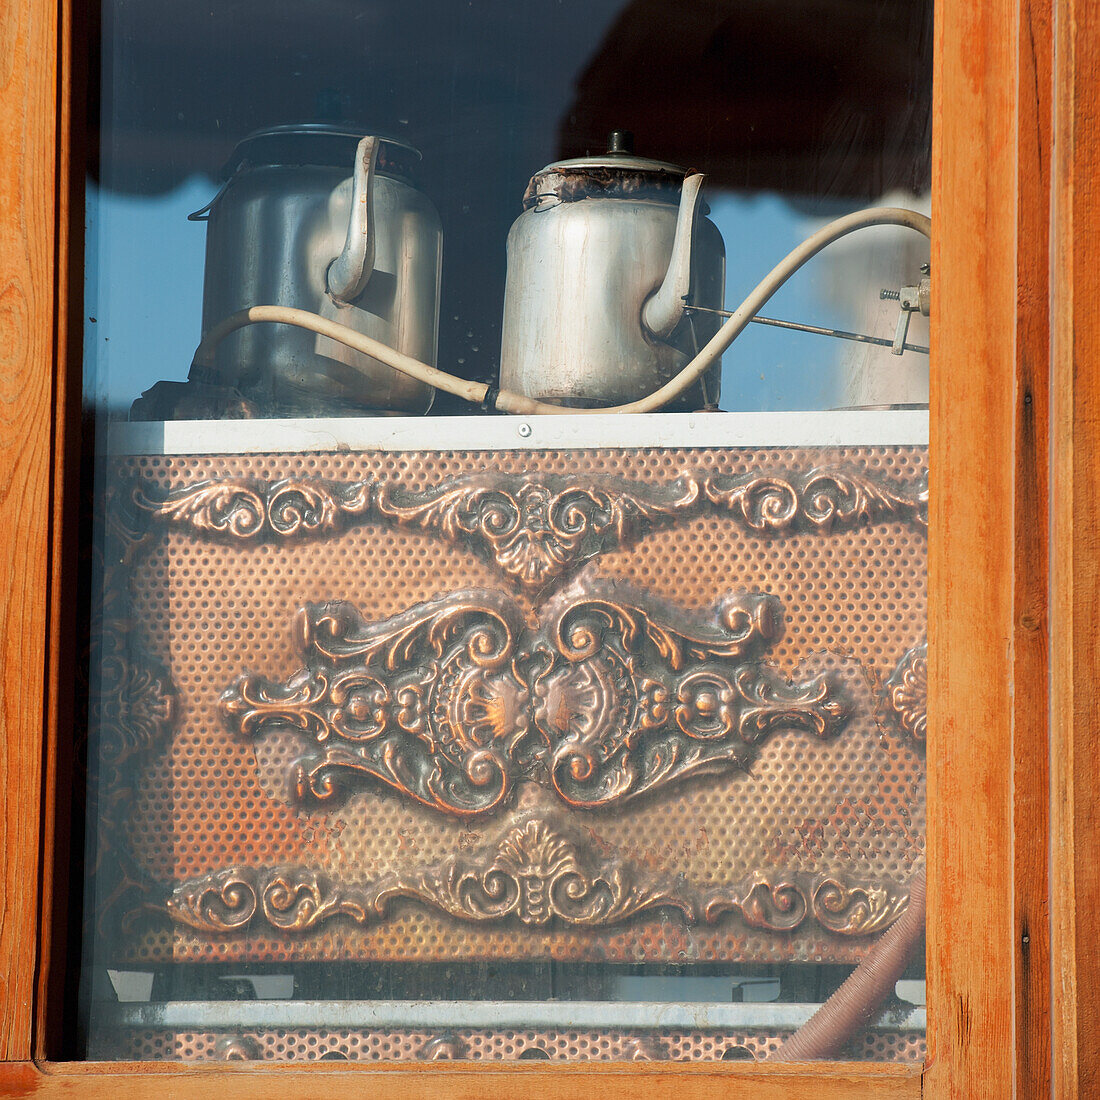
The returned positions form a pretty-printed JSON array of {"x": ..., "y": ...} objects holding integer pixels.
[
  {"x": 492, "y": 1014},
  {"x": 839, "y": 334}
]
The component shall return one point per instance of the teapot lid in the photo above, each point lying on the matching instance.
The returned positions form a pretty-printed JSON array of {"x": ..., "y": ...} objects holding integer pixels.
[
  {"x": 616, "y": 173},
  {"x": 323, "y": 144},
  {"x": 620, "y": 156}
]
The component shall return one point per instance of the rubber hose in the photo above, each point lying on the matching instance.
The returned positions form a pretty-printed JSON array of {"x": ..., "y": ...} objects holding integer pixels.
[
  {"x": 507, "y": 401},
  {"x": 855, "y": 1004}
]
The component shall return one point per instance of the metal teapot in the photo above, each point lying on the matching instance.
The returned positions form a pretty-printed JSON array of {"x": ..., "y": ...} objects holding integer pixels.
[
  {"x": 602, "y": 263},
  {"x": 324, "y": 219}
]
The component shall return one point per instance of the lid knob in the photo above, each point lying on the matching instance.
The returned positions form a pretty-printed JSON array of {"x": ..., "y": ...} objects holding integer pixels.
[{"x": 621, "y": 142}]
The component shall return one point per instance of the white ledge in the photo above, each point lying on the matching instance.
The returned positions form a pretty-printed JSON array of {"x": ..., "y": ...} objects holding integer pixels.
[{"x": 846, "y": 428}]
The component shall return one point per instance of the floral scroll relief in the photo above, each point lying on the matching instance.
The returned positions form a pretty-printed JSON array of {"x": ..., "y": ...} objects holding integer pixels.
[
  {"x": 535, "y": 875},
  {"x": 533, "y": 528},
  {"x": 904, "y": 700},
  {"x": 605, "y": 698}
]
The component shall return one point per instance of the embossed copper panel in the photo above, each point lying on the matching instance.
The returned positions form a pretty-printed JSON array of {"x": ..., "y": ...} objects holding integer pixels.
[
  {"x": 478, "y": 1045},
  {"x": 620, "y": 705}
]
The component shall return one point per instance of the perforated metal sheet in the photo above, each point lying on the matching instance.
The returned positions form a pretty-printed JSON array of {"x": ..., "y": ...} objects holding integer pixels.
[
  {"x": 212, "y": 608},
  {"x": 493, "y": 1046}
]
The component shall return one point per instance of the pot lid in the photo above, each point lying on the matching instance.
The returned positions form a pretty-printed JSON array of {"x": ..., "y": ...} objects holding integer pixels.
[
  {"x": 323, "y": 144},
  {"x": 618, "y": 173},
  {"x": 619, "y": 156}
]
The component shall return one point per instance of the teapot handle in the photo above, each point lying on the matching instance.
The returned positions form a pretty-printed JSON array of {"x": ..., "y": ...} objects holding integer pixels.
[{"x": 349, "y": 273}]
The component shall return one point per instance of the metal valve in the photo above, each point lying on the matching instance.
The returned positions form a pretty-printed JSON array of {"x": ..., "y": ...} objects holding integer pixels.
[{"x": 912, "y": 299}]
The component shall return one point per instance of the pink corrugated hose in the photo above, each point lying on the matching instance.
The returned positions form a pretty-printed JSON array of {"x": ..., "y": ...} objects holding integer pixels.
[{"x": 855, "y": 1004}]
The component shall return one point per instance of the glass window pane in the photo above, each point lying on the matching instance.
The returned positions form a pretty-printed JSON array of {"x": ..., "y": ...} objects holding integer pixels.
[{"x": 422, "y": 730}]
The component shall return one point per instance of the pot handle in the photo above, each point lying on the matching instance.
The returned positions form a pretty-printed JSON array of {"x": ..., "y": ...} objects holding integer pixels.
[
  {"x": 349, "y": 273},
  {"x": 203, "y": 214}
]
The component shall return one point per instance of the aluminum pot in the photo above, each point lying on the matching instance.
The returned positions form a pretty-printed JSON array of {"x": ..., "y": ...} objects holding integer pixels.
[
  {"x": 324, "y": 219},
  {"x": 601, "y": 264}
]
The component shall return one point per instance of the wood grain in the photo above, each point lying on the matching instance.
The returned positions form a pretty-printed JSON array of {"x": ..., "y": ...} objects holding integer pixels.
[
  {"x": 468, "y": 1082},
  {"x": 28, "y": 77},
  {"x": 1031, "y": 649},
  {"x": 972, "y": 552},
  {"x": 988, "y": 631},
  {"x": 1075, "y": 562},
  {"x": 61, "y": 877}
]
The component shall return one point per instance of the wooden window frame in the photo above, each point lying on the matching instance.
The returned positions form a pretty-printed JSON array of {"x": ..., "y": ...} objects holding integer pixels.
[{"x": 1014, "y": 583}]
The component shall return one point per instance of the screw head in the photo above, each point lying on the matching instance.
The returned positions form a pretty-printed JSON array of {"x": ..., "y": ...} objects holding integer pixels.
[{"x": 524, "y": 430}]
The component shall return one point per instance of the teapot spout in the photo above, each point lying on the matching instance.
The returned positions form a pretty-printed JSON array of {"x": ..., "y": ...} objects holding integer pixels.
[{"x": 664, "y": 310}]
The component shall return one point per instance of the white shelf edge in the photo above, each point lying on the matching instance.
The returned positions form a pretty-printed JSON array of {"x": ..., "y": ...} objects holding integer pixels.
[{"x": 846, "y": 428}]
